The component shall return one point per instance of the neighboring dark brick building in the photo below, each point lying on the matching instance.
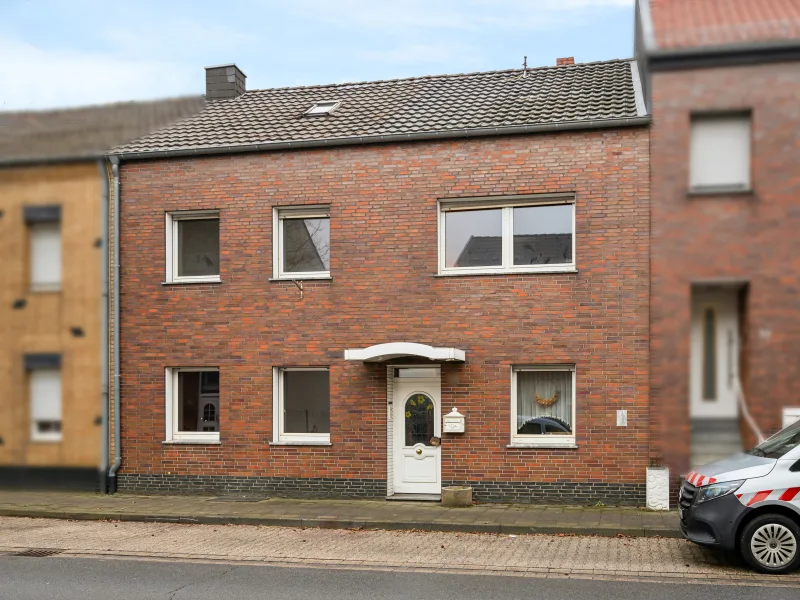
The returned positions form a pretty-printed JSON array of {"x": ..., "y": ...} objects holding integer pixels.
[
  {"x": 390, "y": 180},
  {"x": 722, "y": 85}
]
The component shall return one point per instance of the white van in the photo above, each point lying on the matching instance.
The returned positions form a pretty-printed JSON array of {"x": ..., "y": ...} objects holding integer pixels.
[{"x": 749, "y": 502}]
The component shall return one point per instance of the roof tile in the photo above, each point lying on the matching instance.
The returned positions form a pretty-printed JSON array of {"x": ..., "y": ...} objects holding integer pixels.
[
  {"x": 701, "y": 23},
  {"x": 88, "y": 131},
  {"x": 583, "y": 92}
]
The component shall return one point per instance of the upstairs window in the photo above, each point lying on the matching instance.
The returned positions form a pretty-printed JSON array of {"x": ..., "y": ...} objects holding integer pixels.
[
  {"x": 720, "y": 153},
  {"x": 44, "y": 234},
  {"x": 192, "y": 247},
  {"x": 514, "y": 236},
  {"x": 302, "y": 248}
]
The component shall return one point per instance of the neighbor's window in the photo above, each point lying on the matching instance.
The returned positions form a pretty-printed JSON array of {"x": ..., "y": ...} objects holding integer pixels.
[
  {"x": 303, "y": 242},
  {"x": 193, "y": 404},
  {"x": 44, "y": 235},
  {"x": 45, "y": 402},
  {"x": 514, "y": 236},
  {"x": 720, "y": 153},
  {"x": 302, "y": 405},
  {"x": 192, "y": 246},
  {"x": 543, "y": 405}
]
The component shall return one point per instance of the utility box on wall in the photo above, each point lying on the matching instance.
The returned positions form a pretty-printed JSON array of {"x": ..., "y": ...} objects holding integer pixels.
[{"x": 453, "y": 422}]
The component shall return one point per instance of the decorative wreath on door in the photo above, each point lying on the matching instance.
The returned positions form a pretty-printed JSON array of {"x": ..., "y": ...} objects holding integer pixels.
[{"x": 547, "y": 401}]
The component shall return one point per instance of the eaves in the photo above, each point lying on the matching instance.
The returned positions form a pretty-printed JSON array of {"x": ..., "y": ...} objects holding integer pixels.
[
  {"x": 390, "y": 138},
  {"x": 723, "y": 55}
]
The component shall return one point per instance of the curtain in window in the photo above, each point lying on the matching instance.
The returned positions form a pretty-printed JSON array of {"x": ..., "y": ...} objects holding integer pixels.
[{"x": 545, "y": 385}]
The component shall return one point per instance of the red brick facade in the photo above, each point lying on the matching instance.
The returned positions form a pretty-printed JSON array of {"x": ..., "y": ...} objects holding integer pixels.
[
  {"x": 751, "y": 238},
  {"x": 383, "y": 206}
]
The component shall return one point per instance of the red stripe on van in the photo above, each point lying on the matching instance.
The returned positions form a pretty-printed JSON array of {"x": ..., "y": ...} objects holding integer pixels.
[
  {"x": 762, "y": 495},
  {"x": 711, "y": 480},
  {"x": 789, "y": 494},
  {"x": 700, "y": 481}
]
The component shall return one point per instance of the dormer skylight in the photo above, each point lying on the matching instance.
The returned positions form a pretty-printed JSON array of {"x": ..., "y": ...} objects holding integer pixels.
[{"x": 322, "y": 108}]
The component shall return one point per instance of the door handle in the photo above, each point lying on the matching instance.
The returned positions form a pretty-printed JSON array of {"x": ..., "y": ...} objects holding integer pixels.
[{"x": 419, "y": 450}]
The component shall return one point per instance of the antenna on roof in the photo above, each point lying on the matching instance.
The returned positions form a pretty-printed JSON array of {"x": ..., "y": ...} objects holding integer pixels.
[{"x": 524, "y": 66}]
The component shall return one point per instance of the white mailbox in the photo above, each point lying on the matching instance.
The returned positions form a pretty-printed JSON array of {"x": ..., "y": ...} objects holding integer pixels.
[{"x": 454, "y": 422}]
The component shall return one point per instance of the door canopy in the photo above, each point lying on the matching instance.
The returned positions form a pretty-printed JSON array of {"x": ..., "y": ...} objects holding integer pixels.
[{"x": 381, "y": 352}]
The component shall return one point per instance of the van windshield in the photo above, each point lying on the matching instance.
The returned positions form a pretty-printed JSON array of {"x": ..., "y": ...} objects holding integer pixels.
[{"x": 779, "y": 444}]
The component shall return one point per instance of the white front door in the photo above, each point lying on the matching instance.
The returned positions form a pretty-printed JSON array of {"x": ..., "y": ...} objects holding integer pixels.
[
  {"x": 714, "y": 354},
  {"x": 416, "y": 412}
]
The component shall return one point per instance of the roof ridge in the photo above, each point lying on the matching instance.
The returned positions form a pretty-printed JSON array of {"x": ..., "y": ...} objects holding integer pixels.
[
  {"x": 440, "y": 76},
  {"x": 103, "y": 105}
]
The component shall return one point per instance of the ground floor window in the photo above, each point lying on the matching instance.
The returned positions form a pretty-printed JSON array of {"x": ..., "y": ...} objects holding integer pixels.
[
  {"x": 45, "y": 399},
  {"x": 543, "y": 405},
  {"x": 193, "y": 404},
  {"x": 302, "y": 404}
]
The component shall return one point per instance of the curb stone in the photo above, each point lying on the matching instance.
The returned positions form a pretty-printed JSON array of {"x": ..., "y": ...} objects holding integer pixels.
[{"x": 337, "y": 523}]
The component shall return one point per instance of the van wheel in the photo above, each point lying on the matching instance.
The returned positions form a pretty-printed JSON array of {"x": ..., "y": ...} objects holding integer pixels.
[{"x": 769, "y": 544}]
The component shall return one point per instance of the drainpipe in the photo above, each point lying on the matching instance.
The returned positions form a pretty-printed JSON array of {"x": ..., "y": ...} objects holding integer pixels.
[
  {"x": 112, "y": 473},
  {"x": 104, "y": 183}
]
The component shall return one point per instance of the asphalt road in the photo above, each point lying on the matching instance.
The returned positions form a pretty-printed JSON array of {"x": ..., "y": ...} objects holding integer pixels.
[{"x": 55, "y": 578}]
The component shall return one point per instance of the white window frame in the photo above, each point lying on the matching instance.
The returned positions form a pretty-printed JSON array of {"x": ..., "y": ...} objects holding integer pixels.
[
  {"x": 278, "y": 436},
  {"x": 312, "y": 112},
  {"x": 46, "y": 436},
  {"x": 507, "y": 204},
  {"x": 171, "y": 412},
  {"x": 171, "y": 230},
  {"x": 279, "y": 215},
  {"x": 542, "y": 440}
]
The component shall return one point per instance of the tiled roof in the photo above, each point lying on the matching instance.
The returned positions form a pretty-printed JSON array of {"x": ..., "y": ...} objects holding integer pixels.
[
  {"x": 89, "y": 131},
  {"x": 701, "y": 23},
  {"x": 403, "y": 107}
]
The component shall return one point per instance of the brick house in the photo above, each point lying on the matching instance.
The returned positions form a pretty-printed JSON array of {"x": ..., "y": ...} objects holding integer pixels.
[
  {"x": 721, "y": 80},
  {"x": 312, "y": 279},
  {"x": 53, "y": 211}
]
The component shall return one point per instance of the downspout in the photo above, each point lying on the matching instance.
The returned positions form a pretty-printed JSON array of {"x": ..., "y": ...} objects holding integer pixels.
[
  {"x": 104, "y": 183},
  {"x": 112, "y": 473}
]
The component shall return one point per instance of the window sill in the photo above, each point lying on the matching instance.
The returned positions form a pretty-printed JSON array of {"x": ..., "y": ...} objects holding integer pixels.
[
  {"x": 722, "y": 190},
  {"x": 191, "y": 442},
  {"x": 508, "y": 272},
  {"x": 192, "y": 281},
  {"x": 300, "y": 443},
  {"x": 46, "y": 440},
  {"x": 45, "y": 289},
  {"x": 571, "y": 445},
  {"x": 302, "y": 278}
]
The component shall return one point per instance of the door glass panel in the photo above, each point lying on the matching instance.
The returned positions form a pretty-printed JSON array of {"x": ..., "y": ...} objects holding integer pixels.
[
  {"x": 416, "y": 372},
  {"x": 709, "y": 355},
  {"x": 419, "y": 417}
]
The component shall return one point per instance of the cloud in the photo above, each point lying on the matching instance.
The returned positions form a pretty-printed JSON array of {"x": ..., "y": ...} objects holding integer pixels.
[
  {"x": 44, "y": 78},
  {"x": 421, "y": 53},
  {"x": 470, "y": 15}
]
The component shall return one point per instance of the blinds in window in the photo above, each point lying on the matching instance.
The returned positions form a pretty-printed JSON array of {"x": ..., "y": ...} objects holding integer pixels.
[
  {"x": 720, "y": 152},
  {"x": 45, "y": 389},
  {"x": 45, "y": 255}
]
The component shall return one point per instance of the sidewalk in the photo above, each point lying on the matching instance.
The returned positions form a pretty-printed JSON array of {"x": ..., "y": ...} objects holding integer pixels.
[{"x": 341, "y": 514}]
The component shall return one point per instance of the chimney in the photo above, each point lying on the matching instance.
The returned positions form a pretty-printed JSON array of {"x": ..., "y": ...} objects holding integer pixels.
[
  {"x": 224, "y": 81},
  {"x": 563, "y": 62}
]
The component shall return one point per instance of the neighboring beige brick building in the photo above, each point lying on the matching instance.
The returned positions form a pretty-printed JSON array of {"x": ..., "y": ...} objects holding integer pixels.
[{"x": 53, "y": 195}]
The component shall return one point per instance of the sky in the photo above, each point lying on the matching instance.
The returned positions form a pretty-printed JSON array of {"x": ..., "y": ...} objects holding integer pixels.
[{"x": 75, "y": 52}]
